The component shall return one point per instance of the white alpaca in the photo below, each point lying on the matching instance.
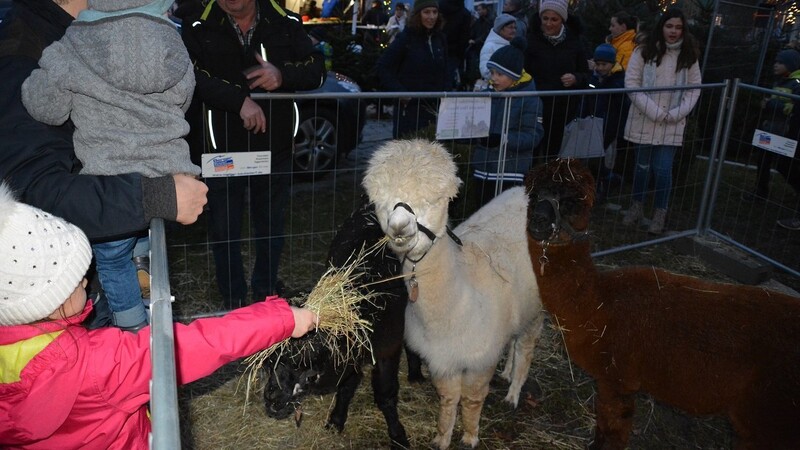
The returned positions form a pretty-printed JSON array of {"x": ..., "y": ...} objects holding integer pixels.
[{"x": 468, "y": 301}]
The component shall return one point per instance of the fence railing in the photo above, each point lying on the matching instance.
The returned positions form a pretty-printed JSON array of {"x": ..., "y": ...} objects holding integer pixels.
[{"x": 711, "y": 171}]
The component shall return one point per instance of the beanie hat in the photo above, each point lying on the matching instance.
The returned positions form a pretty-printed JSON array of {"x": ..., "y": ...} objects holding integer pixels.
[
  {"x": 605, "y": 52},
  {"x": 557, "y": 6},
  {"x": 42, "y": 260},
  {"x": 509, "y": 59},
  {"x": 789, "y": 58},
  {"x": 501, "y": 21},
  {"x": 419, "y": 5}
]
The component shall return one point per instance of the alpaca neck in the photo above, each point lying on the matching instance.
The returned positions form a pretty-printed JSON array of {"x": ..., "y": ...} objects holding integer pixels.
[
  {"x": 432, "y": 272},
  {"x": 567, "y": 280}
]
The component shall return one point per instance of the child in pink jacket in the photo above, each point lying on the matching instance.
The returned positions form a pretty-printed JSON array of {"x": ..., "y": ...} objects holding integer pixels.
[{"x": 63, "y": 386}]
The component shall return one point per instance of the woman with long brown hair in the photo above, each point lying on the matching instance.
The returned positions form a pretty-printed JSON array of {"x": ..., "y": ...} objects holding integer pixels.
[{"x": 657, "y": 119}]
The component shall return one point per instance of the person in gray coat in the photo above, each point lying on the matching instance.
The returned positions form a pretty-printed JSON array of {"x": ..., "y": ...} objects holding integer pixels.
[{"x": 123, "y": 76}]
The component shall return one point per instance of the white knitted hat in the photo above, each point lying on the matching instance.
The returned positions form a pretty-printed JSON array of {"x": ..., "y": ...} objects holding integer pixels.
[{"x": 42, "y": 260}]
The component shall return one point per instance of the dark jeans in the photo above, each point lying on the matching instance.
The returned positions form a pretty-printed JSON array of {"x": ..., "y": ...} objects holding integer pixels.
[
  {"x": 269, "y": 196},
  {"x": 118, "y": 278}
]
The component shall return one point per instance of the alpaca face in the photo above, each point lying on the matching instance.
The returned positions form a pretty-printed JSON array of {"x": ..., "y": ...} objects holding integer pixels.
[
  {"x": 291, "y": 378},
  {"x": 410, "y": 182},
  {"x": 413, "y": 225},
  {"x": 561, "y": 198}
]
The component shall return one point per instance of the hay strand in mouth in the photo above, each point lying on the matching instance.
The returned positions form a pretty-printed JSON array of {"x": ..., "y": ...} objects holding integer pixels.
[{"x": 336, "y": 299}]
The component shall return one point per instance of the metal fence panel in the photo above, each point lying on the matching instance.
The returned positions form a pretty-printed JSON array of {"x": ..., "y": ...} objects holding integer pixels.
[{"x": 319, "y": 202}]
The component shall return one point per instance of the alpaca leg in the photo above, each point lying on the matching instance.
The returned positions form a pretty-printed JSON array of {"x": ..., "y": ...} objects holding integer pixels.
[
  {"x": 523, "y": 355},
  {"x": 509, "y": 365},
  {"x": 614, "y": 409},
  {"x": 414, "y": 366},
  {"x": 385, "y": 389},
  {"x": 474, "y": 390},
  {"x": 345, "y": 391},
  {"x": 449, "y": 390}
]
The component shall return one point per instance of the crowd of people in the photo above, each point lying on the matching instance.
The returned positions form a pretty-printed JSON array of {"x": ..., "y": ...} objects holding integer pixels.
[
  {"x": 100, "y": 136},
  {"x": 649, "y": 123}
]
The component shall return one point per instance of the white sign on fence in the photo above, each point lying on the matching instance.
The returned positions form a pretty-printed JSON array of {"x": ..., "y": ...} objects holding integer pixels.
[
  {"x": 236, "y": 164},
  {"x": 461, "y": 118},
  {"x": 774, "y": 143}
]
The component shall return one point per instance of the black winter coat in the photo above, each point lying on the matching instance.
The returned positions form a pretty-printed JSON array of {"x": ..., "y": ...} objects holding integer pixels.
[
  {"x": 220, "y": 60},
  {"x": 613, "y": 108},
  {"x": 547, "y": 62},
  {"x": 457, "y": 23},
  {"x": 38, "y": 161},
  {"x": 410, "y": 64}
]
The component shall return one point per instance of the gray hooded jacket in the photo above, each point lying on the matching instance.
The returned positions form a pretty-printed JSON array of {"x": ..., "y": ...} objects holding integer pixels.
[{"x": 125, "y": 81}]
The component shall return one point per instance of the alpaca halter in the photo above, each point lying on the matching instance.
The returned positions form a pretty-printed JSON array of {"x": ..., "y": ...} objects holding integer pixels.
[
  {"x": 413, "y": 284},
  {"x": 558, "y": 226}
]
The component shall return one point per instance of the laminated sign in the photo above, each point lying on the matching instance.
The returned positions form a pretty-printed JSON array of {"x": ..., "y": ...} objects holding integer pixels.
[
  {"x": 774, "y": 143},
  {"x": 236, "y": 164},
  {"x": 461, "y": 118}
]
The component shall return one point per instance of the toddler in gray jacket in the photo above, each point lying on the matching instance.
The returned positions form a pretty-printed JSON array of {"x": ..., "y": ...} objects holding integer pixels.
[{"x": 123, "y": 76}]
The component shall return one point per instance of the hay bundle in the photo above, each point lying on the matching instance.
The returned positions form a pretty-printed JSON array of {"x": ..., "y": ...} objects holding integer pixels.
[{"x": 336, "y": 299}]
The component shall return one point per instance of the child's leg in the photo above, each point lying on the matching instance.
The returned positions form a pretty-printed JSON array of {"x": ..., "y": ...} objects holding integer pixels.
[{"x": 117, "y": 274}]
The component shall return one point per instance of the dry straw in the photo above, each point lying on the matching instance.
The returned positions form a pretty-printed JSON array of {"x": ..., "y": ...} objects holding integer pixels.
[{"x": 336, "y": 299}]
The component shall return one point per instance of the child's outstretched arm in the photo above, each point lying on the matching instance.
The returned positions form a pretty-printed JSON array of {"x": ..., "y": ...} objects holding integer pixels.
[{"x": 45, "y": 93}]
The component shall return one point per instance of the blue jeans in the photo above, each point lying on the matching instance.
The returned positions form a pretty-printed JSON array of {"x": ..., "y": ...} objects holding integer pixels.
[
  {"x": 121, "y": 285},
  {"x": 269, "y": 195},
  {"x": 658, "y": 159}
]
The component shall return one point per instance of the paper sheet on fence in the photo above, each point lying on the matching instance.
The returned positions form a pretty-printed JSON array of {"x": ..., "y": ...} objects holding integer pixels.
[
  {"x": 774, "y": 143},
  {"x": 461, "y": 118},
  {"x": 236, "y": 164}
]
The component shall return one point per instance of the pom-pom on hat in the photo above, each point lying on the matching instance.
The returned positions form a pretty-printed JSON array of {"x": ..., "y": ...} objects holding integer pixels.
[
  {"x": 605, "y": 52},
  {"x": 419, "y": 5},
  {"x": 42, "y": 260},
  {"x": 557, "y": 6},
  {"x": 789, "y": 58},
  {"x": 509, "y": 59},
  {"x": 501, "y": 21}
]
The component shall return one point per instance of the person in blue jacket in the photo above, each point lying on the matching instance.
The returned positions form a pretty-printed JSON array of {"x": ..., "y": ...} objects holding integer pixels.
[
  {"x": 524, "y": 128},
  {"x": 416, "y": 61},
  {"x": 613, "y": 108}
]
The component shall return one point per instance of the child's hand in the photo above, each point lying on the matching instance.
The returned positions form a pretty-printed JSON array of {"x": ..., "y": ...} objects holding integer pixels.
[{"x": 305, "y": 320}]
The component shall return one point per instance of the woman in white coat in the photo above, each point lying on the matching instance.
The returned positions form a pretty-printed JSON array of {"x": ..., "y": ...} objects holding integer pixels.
[{"x": 656, "y": 121}]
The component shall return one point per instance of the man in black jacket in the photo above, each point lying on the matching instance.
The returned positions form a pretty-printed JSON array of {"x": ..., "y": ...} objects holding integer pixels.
[
  {"x": 38, "y": 160},
  {"x": 239, "y": 47}
]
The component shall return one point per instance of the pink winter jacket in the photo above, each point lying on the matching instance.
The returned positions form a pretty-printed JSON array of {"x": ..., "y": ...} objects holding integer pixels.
[{"x": 64, "y": 387}]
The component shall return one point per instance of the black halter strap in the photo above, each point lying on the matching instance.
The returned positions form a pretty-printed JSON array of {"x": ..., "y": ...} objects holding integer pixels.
[
  {"x": 425, "y": 229},
  {"x": 559, "y": 224}
]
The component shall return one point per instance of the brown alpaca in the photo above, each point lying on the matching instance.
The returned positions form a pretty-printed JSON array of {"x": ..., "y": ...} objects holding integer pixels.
[{"x": 701, "y": 346}]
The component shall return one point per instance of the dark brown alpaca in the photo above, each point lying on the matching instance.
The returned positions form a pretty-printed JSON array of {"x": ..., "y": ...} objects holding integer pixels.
[{"x": 701, "y": 346}]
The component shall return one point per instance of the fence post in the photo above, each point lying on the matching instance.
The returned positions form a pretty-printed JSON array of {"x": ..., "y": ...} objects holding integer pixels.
[
  {"x": 707, "y": 209},
  {"x": 501, "y": 163},
  {"x": 711, "y": 28},
  {"x": 764, "y": 45},
  {"x": 163, "y": 386}
]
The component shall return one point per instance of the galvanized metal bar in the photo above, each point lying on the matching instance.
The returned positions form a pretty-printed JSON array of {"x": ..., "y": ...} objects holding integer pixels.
[
  {"x": 712, "y": 183},
  {"x": 164, "y": 384}
]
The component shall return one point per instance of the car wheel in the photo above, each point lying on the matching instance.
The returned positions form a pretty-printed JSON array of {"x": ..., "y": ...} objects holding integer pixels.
[{"x": 315, "y": 145}]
